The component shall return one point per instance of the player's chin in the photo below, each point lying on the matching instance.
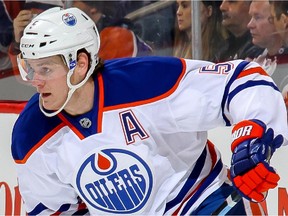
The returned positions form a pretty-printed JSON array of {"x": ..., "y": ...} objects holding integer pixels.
[{"x": 50, "y": 106}]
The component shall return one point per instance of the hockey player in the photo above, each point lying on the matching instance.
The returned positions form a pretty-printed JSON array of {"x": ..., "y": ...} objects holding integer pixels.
[{"x": 130, "y": 136}]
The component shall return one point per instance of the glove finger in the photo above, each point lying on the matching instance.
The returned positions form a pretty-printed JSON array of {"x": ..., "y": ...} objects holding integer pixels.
[
  {"x": 261, "y": 170},
  {"x": 268, "y": 136},
  {"x": 245, "y": 189},
  {"x": 249, "y": 181},
  {"x": 265, "y": 171},
  {"x": 277, "y": 142},
  {"x": 259, "y": 197},
  {"x": 238, "y": 181},
  {"x": 272, "y": 177},
  {"x": 265, "y": 186},
  {"x": 254, "y": 176}
]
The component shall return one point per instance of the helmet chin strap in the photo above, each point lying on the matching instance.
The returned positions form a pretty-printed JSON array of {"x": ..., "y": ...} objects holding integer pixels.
[
  {"x": 69, "y": 95},
  {"x": 72, "y": 89}
]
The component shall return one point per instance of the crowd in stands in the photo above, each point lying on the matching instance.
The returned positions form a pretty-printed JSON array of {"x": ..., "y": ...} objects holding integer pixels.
[{"x": 252, "y": 30}]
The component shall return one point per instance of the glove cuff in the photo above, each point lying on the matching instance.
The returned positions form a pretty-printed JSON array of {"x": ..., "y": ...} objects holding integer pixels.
[{"x": 245, "y": 130}]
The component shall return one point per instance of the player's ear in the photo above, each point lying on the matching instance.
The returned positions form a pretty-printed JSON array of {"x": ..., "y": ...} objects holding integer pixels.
[
  {"x": 81, "y": 68},
  {"x": 82, "y": 63}
]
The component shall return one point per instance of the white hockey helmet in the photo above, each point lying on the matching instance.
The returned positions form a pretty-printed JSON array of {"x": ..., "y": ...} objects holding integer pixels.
[{"x": 59, "y": 32}]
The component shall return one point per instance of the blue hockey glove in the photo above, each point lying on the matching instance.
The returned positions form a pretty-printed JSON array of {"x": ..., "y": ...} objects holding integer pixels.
[{"x": 252, "y": 148}]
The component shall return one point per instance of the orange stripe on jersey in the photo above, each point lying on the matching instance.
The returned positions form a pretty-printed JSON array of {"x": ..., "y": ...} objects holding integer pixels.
[
  {"x": 264, "y": 207},
  {"x": 101, "y": 103},
  {"x": 212, "y": 151},
  {"x": 247, "y": 72},
  {"x": 190, "y": 195},
  {"x": 56, "y": 213},
  {"x": 35, "y": 147},
  {"x": 256, "y": 209},
  {"x": 132, "y": 104},
  {"x": 71, "y": 126},
  {"x": 82, "y": 206}
]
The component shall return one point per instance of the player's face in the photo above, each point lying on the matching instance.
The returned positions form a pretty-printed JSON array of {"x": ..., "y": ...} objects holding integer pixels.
[
  {"x": 49, "y": 78},
  {"x": 261, "y": 27},
  {"x": 235, "y": 14},
  {"x": 184, "y": 15}
]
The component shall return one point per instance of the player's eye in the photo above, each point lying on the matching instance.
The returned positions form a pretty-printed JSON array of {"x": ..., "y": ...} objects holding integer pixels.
[{"x": 45, "y": 71}]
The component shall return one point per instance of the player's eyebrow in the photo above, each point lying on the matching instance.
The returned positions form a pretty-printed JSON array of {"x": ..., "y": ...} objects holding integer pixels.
[{"x": 46, "y": 62}]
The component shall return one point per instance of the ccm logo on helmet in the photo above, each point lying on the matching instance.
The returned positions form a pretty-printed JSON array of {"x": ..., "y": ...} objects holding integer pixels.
[
  {"x": 27, "y": 45},
  {"x": 243, "y": 131}
]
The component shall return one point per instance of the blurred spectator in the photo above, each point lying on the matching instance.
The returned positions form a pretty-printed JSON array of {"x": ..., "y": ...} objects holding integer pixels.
[
  {"x": 116, "y": 35},
  {"x": 235, "y": 15},
  {"x": 263, "y": 30},
  {"x": 154, "y": 22},
  {"x": 21, "y": 12},
  {"x": 8, "y": 11},
  {"x": 279, "y": 15},
  {"x": 183, "y": 37},
  {"x": 212, "y": 31},
  {"x": 25, "y": 15}
]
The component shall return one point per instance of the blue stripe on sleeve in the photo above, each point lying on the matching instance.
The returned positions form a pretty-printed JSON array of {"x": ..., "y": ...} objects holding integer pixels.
[
  {"x": 237, "y": 71},
  {"x": 249, "y": 84}
]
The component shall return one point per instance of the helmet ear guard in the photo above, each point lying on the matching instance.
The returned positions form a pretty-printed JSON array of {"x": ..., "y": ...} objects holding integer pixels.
[{"x": 61, "y": 32}]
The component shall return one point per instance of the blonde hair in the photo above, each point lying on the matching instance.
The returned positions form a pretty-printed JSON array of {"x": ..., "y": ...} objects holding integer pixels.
[{"x": 182, "y": 45}]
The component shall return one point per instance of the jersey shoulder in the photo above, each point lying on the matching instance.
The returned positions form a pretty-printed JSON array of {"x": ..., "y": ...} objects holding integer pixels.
[
  {"x": 129, "y": 80},
  {"x": 30, "y": 128}
]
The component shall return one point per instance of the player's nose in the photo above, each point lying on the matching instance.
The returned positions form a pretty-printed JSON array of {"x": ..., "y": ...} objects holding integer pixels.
[{"x": 37, "y": 83}]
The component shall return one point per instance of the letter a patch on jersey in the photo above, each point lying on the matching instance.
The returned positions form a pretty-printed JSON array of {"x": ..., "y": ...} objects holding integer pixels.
[{"x": 131, "y": 127}]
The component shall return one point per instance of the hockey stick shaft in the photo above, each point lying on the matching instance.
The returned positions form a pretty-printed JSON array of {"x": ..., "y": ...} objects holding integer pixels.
[{"x": 228, "y": 204}]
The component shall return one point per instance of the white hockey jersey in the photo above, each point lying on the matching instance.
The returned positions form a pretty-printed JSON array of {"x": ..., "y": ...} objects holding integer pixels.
[{"x": 143, "y": 148}]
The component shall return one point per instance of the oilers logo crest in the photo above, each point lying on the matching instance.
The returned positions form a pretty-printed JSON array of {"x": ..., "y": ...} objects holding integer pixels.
[
  {"x": 114, "y": 181},
  {"x": 69, "y": 19}
]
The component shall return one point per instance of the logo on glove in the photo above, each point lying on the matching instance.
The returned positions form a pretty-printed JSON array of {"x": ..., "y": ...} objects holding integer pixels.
[{"x": 243, "y": 131}]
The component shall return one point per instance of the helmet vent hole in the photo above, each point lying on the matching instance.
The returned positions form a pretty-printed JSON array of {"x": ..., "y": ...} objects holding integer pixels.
[
  {"x": 95, "y": 30},
  {"x": 33, "y": 54},
  {"x": 84, "y": 16},
  {"x": 52, "y": 41},
  {"x": 42, "y": 44},
  {"x": 31, "y": 33}
]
